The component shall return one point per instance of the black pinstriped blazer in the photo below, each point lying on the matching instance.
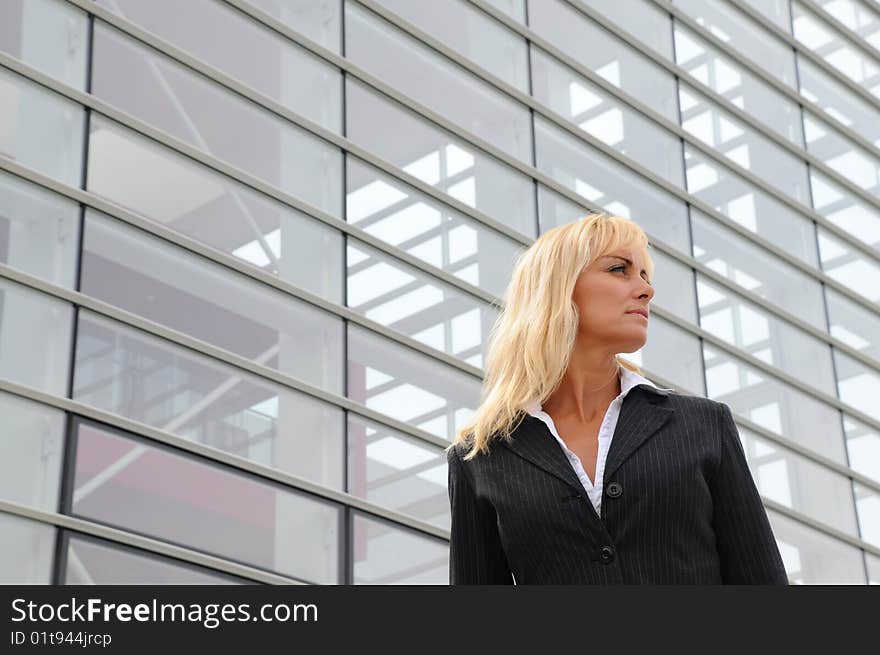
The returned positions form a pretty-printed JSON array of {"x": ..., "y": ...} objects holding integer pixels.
[{"x": 679, "y": 505}]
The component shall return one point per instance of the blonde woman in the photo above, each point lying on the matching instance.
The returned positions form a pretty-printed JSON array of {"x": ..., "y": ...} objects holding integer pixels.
[{"x": 575, "y": 469}]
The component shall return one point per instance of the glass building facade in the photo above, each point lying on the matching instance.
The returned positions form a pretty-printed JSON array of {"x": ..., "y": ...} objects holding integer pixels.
[{"x": 216, "y": 212}]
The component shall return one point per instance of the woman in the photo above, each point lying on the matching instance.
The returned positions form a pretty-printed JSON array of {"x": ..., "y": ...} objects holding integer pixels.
[{"x": 575, "y": 469}]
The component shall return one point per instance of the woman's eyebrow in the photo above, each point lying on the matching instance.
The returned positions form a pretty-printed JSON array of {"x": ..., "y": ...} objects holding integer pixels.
[{"x": 624, "y": 259}]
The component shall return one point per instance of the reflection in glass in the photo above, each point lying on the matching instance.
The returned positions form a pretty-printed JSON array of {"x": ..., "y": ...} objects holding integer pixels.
[
  {"x": 845, "y": 210},
  {"x": 759, "y": 333},
  {"x": 397, "y": 471},
  {"x": 812, "y": 557},
  {"x": 270, "y": 63},
  {"x": 673, "y": 284},
  {"x": 742, "y": 144},
  {"x": 318, "y": 20},
  {"x": 470, "y": 33},
  {"x": 868, "y": 506},
  {"x": 427, "y": 229},
  {"x": 398, "y": 136},
  {"x": 841, "y": 155},
  {"x": 608, "y": 56},
  {"x": 857, "y": 385},
  {"x": 863, "y": 447},
  {"x": 853, "y": 323},
  {"x": 93, "y": 561},
  {"x": 738, "y": 85},
  {"x": 792, "y": 480},
  {"x": 672, "y": 353},
  {"x": 388, "y": 555},
  {"x": 849, "y": 267},
  {"x": 212, "y": 119},
  {"x": 757, "y": 270},
  {"x": 152, "y": 278},
  {"x": 40, "y": 129},
  {"x": 162, "y": 493},
  {"x": 417, "y": 305},
  {"x": 609, "y": 184},
  {"x": 173, "y": 389},
  {"x": 38, "y": 231},
  {"x": 49, "y": 35},
  {"x": 153, "y": 181},
  {"x": 774, "y": 405},
  {"x": 25, "y": 551},
  {"x": 642, "y": 18},
  {"x": 605, "y": 117},
  {"x": 34, "y": 338},
  {"x": 31, "y": 449},
  {"x": 407, "y": 385}
]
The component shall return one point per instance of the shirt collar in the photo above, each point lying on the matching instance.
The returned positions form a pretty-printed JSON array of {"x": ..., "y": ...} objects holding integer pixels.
[{"x": 628, "y": 380}]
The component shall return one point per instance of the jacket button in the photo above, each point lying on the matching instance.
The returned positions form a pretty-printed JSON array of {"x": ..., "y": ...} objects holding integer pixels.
[
  {"x": 614, "y": 490},
  {"x": 607, "y": 554}
]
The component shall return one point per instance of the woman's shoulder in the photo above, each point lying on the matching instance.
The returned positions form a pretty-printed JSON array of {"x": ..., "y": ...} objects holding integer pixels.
[{"x": 698, "y": 405}]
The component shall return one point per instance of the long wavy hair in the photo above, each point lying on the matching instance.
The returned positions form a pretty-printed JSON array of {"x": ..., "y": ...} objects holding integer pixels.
[{"x": 531, "y": 341}]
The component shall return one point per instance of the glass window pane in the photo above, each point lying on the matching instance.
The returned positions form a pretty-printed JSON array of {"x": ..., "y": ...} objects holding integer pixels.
[
  {"x": 605, "y": 54},
  {"x": 777, "y": 11},
  {"x": 838, "y": 101},
  {"x": 428, "y": 229},
  {"x": 606, "y": 118},
  {"x": 756, "y": 269},
  {"x": 49, "y": 35},
  {"x": 735, "y": 28},
  {"x": 798, "y": 483},
  {"x": 35, "y": 334},
  {"x": 41, "y": 129},
  {"x": 672, "y": 353},
  {"x": 812, "y": 557},
  {"x": 641, "y": 18},
  {"x": 844, "y": 209},
  {"x": 147, "y": 276},
  {"x": 873, "y": 568},
  {"x": 742, "y": 144},
  {"x": 868, "y": 505},
  {"x": 863, "y": 447},
  {"x": 407, "y": 385},
  {"x": 841, "y": 262},
  {"x": 417, "y": 305},
  {"x": 143, "y": 378},
  {"x": 516, "y": 9},
  {"x": 398, "y": 136},
  {"x": 212, "y": 119},
  {"x": 319, "y": 20},
  {"x": 153, "y": 490},
  {"x": 774, "y": 405},
  {"x": 841, "y": 155},
  {"x": 857, "y": 385},
  {"x": 470, "y": 33},
  {"x": 434, "y": 81},
  {"x": 737, "y": 84},
  {"x": 38, "y": 231},
  {"x": 397, "y": 471},
  {"x": 271, "y": 64},
  {"x": 853, "y": 324},
  {"x": 812, "y": 32},
  {"x": 759, "y": 333},
  {"x": 857, "y": 16},
  {"x": 25, "y": 551},
  {"x": 674, "y": 286},
  {"x": 389, "y": 555},
  {"x": 93, "y": 561},
  {"x": 606, "y": 183},
  {"x": 31, "y": 449}
]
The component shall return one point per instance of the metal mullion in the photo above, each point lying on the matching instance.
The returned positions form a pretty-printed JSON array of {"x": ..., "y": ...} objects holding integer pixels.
[
  {"x": 401, "y": 175},
  {"x": 62, "y": 522},
  {"x": 209, "y": 453}
]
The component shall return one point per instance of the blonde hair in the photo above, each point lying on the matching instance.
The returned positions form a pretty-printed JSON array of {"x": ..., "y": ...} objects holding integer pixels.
[{"x": 531, "y": 341}]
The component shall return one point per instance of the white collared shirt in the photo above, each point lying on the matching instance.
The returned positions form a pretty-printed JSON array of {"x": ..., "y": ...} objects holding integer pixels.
[{"x": 628, "y": 380}]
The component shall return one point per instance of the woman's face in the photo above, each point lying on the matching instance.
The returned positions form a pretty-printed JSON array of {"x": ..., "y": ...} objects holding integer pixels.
[{"x": 607, "y": 293}]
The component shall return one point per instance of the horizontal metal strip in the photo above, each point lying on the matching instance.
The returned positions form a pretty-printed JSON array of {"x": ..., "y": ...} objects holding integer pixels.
[
  {"x": 261, "y": 276},
  {"x": 771, "y": 28},
  {"x": 209, "y": 453},
  {"x": 288, "y": 381},
  {"x": 664, "y": 123},
  {"x": 147, "y": 544},
  {"x": 279, "y": 110}
]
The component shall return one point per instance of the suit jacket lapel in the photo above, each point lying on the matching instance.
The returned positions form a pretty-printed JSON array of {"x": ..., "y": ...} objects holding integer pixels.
[
  {"x": 533, "y": 442},
  {"x": 645, "y": 409}
]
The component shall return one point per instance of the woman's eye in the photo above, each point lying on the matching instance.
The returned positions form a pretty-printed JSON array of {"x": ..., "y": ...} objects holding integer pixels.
[{"x": 619, "y": 268}]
